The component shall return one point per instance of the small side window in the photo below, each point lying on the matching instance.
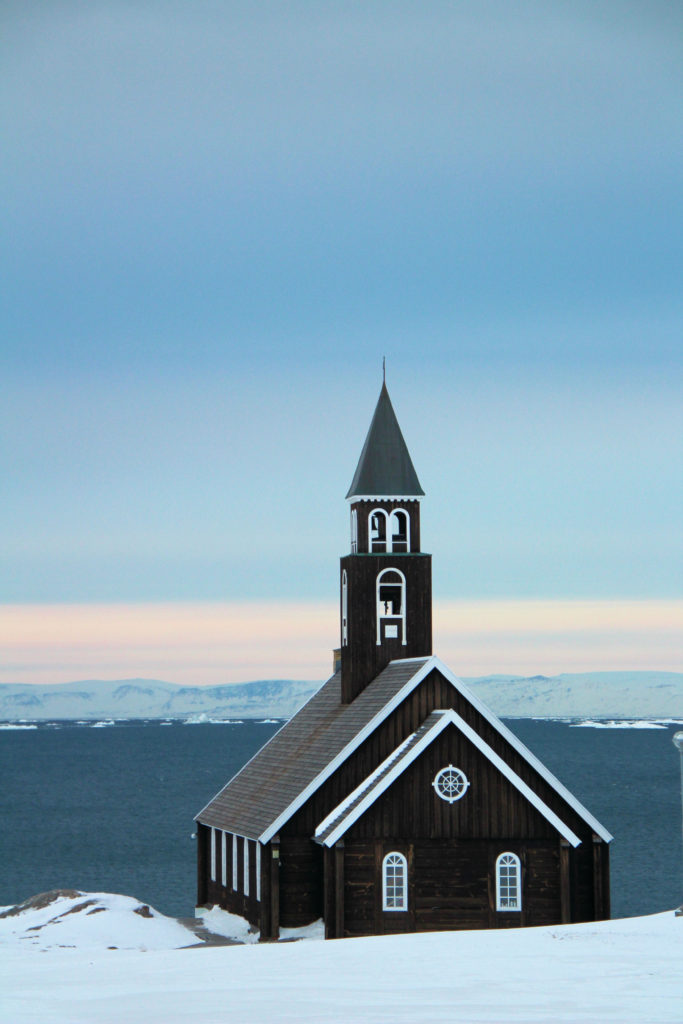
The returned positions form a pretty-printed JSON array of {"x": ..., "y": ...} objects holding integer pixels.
[
  {"x": 345, "y": 609},
  {"x": 394, "y": 882},
  {"x": 508, "y": 882}
]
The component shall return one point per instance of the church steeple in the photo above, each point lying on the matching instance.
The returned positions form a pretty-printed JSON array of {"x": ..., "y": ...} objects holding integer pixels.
[
  {"x": 386, "y": 581},
  {"x": 385, "y": 467}
]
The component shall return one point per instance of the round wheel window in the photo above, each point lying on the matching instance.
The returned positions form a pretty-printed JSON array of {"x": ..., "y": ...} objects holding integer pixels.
[{"x": 451, "y": 784}]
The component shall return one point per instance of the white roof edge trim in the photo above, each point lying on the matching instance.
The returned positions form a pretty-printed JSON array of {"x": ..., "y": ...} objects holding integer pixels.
[
  {"x": 374, "y": 792},
  {"x": 432, "y": 662},
  {"x": 385, "y": 497},
  {"x": 227, "y": 832},
  {"x": 520, "y": 747},
  {"x": 450, "y": 717},
  {"x": 197, "y": 817},
  {"x": 352, "y": 745},
  {"x": 365, "y": 784}
]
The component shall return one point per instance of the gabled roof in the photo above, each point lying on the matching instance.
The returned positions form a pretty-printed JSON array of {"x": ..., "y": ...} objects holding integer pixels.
[
  {"x": 385, "y": 468},
  {"x": 337, "y": 823},
  {"x": 298, "y": 759},
  {"x": 279, "y": 779}
]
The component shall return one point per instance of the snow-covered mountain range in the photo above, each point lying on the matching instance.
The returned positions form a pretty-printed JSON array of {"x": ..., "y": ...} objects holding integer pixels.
[
  {"x": 570, "y": 695},
  {"x": 150, "y": 698}
]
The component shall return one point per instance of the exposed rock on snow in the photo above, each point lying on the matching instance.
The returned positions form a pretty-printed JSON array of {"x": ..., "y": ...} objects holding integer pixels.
[
  {"x": 625, "y": 972},
  {"x": 66, "y": 918}
]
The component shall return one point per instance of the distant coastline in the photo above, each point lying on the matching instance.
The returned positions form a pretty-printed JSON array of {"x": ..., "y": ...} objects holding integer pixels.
[{"x": 589, "y": 695}]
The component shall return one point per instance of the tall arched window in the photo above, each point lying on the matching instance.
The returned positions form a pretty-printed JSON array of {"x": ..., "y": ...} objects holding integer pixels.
[
  {"x": 354, "y": 531},
  {"x": 508, "y": 882},
  {"x": 394, "y": 882},
  {"x": 377, "y": 523},
  {"x": 391, "y": 606},
  {"x": 345, "y": 609},
  {"x": 399, "y": 530}
]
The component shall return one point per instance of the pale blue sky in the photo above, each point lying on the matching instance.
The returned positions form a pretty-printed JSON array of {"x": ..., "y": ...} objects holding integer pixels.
[{"x": 217, "y": 217}]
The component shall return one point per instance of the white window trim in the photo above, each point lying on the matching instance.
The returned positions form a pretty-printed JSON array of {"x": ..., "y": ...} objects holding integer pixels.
[
  {"x": 224, "y": 859},
  {"x": 246, "y": 867},
  {"x": 213, "y": 854},
  {"x": 387, "y": 542},
  {"x": 441, "y": 789},
  {"x": 517, "y": 864},
  {"x": 392, "y": 521},
  {"x": 345, "y": 609},
  {"x": 234, "y": 863},
  {"x": 404, "y": 888},
  {"x": 354, "y": 531},
  {"x": 258, "y": 871},
  {"x": 395, "y": 618}
]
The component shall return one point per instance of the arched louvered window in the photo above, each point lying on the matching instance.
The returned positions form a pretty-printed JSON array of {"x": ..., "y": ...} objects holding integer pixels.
[
  {"x": 391, "y": 606},
  {"x": 508, "y": 882},
  {"x": 354, "y": 531},
  {"x": 377, "y": 522},
  {"x": 394, "y": 882},
  {"x": 399, "y": 531}
]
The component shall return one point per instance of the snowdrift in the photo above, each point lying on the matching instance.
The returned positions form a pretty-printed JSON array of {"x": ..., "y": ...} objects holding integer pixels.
[{"x": 109, "y": 958}]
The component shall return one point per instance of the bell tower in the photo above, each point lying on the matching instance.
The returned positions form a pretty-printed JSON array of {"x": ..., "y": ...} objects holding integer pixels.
[{"x": 386, "y": 581}]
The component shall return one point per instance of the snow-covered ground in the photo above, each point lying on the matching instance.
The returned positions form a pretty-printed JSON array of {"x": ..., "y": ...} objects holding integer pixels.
[{"x": 628, "y": 971}]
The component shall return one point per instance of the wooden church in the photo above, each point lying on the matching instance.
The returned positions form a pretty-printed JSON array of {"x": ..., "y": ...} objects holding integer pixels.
[{"x": 395, "y": 800}]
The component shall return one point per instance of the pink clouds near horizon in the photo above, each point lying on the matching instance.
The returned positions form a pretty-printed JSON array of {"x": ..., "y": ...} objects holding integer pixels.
[{"x": 212, "y": 643}]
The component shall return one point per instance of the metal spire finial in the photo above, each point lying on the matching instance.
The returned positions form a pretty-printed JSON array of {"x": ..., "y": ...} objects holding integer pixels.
[{"x": 384, "y": 369}]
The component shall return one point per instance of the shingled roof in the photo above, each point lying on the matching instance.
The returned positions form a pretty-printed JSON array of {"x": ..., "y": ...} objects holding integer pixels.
[
  {"x": 279, "y": 778},
  {"x": 296, "y": 761},
  {"x": 385, "y": 468},
  {"x": 337, "y": 823}
]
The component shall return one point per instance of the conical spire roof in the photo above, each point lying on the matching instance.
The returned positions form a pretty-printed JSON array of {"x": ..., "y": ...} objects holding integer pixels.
[{"x": 385, "y": 468}]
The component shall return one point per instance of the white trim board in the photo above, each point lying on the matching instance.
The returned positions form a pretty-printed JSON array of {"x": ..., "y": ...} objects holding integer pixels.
[
  {"x": 427, "y": 666},
  {"x": 374, "y": 791},
  {"x": 384, "y": 497}
]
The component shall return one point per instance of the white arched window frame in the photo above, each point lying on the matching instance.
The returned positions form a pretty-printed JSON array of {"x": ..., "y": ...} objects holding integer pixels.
[
  {"x": 391, "y": 605},
  {"x": 354, "y": 531},
  {"x": 394, "y": 882},
  {"x": 378, "y": 522},
  {"x": 345, "y": 609},
  {"x": 508, "y": 882},
  {"x": 399, "y": 531}
]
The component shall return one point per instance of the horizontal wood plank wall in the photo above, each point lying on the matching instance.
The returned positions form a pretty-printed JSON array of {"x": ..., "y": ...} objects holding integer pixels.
[{"x": 451, "y": 885}]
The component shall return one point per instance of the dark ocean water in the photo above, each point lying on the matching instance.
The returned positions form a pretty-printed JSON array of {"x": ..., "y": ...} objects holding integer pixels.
[{"x": 111, "y": 809}]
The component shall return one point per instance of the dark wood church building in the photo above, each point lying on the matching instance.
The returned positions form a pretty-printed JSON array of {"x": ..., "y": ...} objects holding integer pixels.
[{"x": 395, "y": 800}]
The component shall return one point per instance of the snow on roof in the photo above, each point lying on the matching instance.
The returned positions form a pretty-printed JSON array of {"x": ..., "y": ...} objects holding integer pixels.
[
  {"x": 337, "y": 823},
  {"x": 281, "y": 776}
]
